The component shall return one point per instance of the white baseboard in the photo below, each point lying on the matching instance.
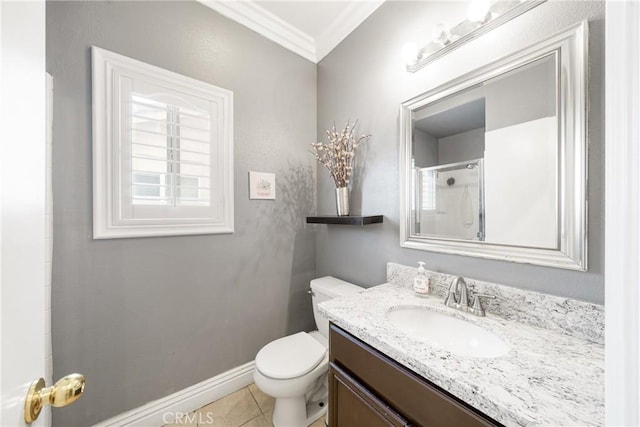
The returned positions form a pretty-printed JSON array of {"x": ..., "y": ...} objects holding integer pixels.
[{"x": 164, "y": 410}]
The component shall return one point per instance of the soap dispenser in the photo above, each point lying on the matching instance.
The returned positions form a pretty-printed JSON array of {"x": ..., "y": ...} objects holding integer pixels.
[{"x": 421, "y": 281}]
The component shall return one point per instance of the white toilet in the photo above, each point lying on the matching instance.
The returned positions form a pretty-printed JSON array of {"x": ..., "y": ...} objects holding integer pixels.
[{"x": 293, "y": 369}]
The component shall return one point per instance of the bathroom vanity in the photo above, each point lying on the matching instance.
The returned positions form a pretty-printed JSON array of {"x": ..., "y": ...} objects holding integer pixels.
[
  {"x": 369, "y": 388},
  {"x": 467, "y": 188},
  {"x": 552, "y": 372}
]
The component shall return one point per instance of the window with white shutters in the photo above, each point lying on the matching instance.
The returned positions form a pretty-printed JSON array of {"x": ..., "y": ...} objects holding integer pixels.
[
  {"x": 170, "y": 153},
  {"x": 428, "y": 188},
  {"x": 162, "y": 151}
]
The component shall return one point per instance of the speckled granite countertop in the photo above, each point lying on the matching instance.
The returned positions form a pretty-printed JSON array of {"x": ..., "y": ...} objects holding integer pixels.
[{"x": 548, "y": 378}]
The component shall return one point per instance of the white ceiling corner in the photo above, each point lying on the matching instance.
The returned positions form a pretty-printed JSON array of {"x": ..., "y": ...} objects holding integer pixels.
[
  {"x": 350, "y": 18},
  {"x": 282, "y": 30}
]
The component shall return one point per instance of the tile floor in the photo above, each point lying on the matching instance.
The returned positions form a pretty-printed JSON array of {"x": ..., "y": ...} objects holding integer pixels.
[{"x": 248, "y": 407}]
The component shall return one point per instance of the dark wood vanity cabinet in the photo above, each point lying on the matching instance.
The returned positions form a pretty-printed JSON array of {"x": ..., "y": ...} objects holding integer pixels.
[
  {"x": 352, "y": 404},
  {"x": 368, "y": 389}
]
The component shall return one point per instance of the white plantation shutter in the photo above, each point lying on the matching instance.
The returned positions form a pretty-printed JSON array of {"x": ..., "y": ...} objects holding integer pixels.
[
  {"x": 166, "y": 143},
  {"x": 428, "y": 189},
  {"x": 170, "y": 154}
]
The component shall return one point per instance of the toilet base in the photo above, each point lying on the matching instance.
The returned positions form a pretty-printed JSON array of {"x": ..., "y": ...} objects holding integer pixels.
[
  {"x": 294, "y": 412},
  {"x": 318, "y": 408}
]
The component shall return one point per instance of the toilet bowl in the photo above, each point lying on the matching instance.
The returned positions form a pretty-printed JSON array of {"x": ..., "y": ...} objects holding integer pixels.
[
  {"x": 293, "y": 369},
  {"x": 296, "y": 371}
]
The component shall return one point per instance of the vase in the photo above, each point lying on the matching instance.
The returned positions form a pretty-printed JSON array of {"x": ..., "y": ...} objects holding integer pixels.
[{"x": 342, "y": 201}]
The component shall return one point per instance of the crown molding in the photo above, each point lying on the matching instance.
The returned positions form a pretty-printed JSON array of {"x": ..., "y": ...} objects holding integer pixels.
[
  {"x": 345, "y": 23},
  {"x": 253, "y": 16},
  {"x": 265, "y": 23}
]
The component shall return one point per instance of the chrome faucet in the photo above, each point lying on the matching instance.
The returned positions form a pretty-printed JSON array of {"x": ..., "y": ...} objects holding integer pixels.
[
  {"x": 451, "y": 299},
  {"x": 454, "y": 296},
  {"x": 463, "y": 300},
  {"x": 458, "y": 298}
]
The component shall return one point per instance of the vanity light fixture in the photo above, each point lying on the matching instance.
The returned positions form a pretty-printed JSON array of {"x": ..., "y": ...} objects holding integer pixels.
[{"x": 482, "y": 17}]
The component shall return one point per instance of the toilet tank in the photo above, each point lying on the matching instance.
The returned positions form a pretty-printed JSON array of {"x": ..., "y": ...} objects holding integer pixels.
[{"x": 326, "y": 288}]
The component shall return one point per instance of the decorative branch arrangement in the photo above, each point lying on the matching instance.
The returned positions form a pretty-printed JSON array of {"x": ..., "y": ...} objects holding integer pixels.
[{"x": 338, "y": 154}]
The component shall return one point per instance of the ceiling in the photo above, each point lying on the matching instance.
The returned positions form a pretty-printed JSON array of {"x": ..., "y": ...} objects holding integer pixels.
[
  {"x": 310, "y": 28},
  {"x": 453, "y": 121}
]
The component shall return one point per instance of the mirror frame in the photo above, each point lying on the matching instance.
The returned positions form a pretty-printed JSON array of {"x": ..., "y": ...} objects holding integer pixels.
[{"x": 570, "y": 48}]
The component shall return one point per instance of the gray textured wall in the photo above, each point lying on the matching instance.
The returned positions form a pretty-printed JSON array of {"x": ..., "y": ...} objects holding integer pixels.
[
  {"x": 460, "y": 147},
  {"x": 531, "y": 90},
  {"x": 425, "y": 149},
  {"x": 146, "y": 317},
  {"x": 364, "y": 77}
]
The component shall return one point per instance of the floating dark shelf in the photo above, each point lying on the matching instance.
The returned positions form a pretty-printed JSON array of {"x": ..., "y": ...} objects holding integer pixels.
[{"x": 345, "y": 220}]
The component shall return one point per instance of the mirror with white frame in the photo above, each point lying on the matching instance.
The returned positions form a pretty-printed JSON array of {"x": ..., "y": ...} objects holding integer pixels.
[{"x": 493, "y": 164}]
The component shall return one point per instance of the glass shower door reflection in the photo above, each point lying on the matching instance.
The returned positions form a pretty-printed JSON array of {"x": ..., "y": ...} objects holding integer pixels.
[{"x": 449, "y": 201}]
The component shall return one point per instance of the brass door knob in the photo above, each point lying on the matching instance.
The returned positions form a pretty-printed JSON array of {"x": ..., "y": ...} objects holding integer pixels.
[{"x": 66, "y": 391}]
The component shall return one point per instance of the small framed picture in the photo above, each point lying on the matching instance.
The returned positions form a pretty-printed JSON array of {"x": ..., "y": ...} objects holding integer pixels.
[{"x": 262, "y": 185}]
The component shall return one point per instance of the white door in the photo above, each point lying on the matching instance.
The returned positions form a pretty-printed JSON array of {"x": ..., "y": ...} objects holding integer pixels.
[{"x": 22, "y": 205}]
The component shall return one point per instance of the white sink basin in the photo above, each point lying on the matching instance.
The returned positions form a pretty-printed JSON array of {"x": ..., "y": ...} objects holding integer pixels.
[{"x": 447, "y": 332}]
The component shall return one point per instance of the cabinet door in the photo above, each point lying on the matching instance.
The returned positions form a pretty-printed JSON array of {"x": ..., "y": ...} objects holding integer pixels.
[{"x": 353, "y": 405}]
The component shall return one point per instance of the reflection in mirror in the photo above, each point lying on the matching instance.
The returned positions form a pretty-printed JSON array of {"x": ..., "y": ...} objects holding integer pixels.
[
  {"x": 493, "y": 163},
  {"x": 449, "y": 201},
  {"x": 485, "y": 161}
]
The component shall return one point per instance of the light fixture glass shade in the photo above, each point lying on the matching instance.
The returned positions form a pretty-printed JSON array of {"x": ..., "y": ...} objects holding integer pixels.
[
  {"x": 409, "y": 53},
  {"x": 478, "y": 10},
  {"x": 441, "y": 34}
]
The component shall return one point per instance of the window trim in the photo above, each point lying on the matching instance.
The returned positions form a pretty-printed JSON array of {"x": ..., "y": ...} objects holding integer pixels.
[{"x": 108, "y": 67}]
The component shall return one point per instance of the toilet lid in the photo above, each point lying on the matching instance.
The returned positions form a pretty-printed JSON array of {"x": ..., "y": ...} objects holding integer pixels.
[{"x": 290, "y": 357}]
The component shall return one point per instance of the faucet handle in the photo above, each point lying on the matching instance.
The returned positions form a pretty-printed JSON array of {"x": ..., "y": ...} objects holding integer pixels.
[{"x": 476, "y": 307}]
